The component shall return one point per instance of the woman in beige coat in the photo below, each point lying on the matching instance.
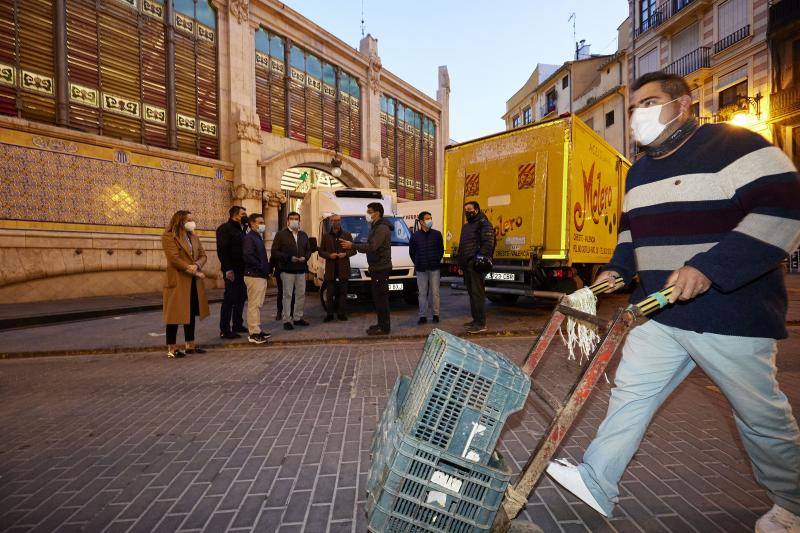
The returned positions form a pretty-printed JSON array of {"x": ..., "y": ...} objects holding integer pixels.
[{"x": 184, "y": 292}]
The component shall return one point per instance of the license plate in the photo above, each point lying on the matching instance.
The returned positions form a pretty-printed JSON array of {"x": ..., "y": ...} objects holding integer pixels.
[
  {"x": 502, "y": 276},
  {"x": 395, "y": 286}
]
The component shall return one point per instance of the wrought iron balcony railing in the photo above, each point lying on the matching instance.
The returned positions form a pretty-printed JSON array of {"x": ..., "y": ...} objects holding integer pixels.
[
  {"x": 694, "y": 60},
  {"x": 784, "y": 102},
  {"x": 729, "y": 40},
  {"x": 662, "y": 13}
]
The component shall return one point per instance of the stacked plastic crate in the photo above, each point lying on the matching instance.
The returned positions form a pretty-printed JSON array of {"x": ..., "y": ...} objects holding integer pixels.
[{"x": 434, "y": 467}]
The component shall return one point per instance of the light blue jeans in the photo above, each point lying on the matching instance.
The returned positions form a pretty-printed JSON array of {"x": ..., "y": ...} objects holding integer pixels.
[
  {"x": 655, "y": 360},
  {"x": 428, "y": 286}
]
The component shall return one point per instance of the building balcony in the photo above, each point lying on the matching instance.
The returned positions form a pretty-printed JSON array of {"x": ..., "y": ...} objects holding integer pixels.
[
  {"x": 731, "y": 39},
  {"x": 784, "y": 103},
  {"x": 668, "y": 13},
  {"x": 694, "y": 61},
  {"x": 783, "y": 16}
]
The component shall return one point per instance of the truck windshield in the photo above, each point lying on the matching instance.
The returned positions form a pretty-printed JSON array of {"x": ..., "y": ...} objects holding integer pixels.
[{"x": 357, "y": 226}]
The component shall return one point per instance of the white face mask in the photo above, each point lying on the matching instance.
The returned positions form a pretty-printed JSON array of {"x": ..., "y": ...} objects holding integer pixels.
[
  {"x": 190, "y": 226},
  {"x": 262, "y": 228},
  {"x": 294, "y": 225},
  {"x": 645, "y": 123},
  {"x": 429, "y": 223}
]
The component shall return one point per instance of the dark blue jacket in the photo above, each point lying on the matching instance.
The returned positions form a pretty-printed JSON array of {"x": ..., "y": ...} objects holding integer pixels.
[
  {"x": 426, "y": 250},
  {"x": 256, "y": 263}
]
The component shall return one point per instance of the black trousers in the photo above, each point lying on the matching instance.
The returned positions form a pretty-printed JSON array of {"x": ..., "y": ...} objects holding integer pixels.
[
  {"x": 335, "y": 296},
  {"x": 475, "y": 282},
  {"x": 380, "y": 297},
  {"x": 233, "y": 302},
  {"x": 188, "y": 329}
]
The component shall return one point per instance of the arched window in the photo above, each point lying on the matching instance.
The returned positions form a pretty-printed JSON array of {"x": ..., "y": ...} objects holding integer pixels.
[
  {"x": 116, "y": 81},
  {"x": 408, "y": 140}
]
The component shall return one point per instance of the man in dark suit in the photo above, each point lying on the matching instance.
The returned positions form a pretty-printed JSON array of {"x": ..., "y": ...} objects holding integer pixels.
[
  {"x": 337, "y": 268},
  {"x": 230, "y": 241},
  {"x": 292, "y": 250}
]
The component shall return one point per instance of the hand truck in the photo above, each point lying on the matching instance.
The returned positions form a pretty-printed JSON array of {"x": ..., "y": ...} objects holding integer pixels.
[{"x": 612, "y": 333}]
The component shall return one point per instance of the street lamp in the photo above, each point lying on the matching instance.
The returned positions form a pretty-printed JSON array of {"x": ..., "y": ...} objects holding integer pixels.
[
  {"x": 336, "y": 165},
  {"x": 740, "y": 118}
]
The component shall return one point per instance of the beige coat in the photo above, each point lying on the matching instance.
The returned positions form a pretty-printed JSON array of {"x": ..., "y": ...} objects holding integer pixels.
[{"x": 178, "y": 282}]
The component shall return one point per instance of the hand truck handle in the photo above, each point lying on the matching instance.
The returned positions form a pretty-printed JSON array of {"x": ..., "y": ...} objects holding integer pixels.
[
  {"x": 602, "y": 286},
  {"x": 657, "y": 300}
]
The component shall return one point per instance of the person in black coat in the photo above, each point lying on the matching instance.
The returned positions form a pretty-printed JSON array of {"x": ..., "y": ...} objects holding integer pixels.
[
  {"x": 292, "y": 250},
  {"x": 477, "y": 239},
  {"x": 230, "y": 243},
  {"x": 426, "y": 250},
  {"x": 256, "y": 271}
]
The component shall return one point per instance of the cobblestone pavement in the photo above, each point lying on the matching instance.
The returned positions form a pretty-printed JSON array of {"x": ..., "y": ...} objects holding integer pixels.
[{"x": 277, "y": 439}]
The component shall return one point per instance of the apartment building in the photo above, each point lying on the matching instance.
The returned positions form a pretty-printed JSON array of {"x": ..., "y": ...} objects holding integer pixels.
[
  {"x": 783, "y": 32},
  {"x": 603, "y": 105},
  {"x": 520, "y": 107},
  {"x": 718, "y": 46}
]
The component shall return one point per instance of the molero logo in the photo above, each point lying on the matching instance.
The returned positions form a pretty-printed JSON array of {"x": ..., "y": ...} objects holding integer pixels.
[{"x": 597, "y": 199}]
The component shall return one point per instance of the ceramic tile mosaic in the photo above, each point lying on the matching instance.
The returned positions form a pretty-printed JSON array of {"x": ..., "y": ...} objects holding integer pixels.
[{"x": 45, "y": 186}]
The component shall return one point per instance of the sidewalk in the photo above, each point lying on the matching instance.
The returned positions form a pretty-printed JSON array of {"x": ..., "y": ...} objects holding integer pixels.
[{"x": 133, "y": 323}]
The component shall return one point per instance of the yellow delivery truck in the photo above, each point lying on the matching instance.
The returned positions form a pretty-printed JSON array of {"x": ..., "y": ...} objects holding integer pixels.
[{"x": 553, "y": 192}]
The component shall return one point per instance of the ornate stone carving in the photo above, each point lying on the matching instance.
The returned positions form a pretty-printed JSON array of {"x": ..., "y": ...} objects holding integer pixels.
[
  {"x": 56, "y": 145},
  {"x": 249, "y": 131},
  {"x": 240, "y": 192},
  {"x": 382, "y": 167},
  {"x": 240, "y": 9},
  {"x": 274, "y": 198},
  {"x": 374, "y": 72},
  {"x": 175, "y": 166},
  {"x": 243, "y": 192}
]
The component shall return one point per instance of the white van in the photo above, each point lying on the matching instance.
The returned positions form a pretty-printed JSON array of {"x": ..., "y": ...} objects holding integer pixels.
[{"x": 351, "y": 205}]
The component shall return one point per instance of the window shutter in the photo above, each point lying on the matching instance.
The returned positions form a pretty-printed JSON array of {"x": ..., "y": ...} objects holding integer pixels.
[
  {"x": 83, "y": 54},
  {"x": 297, "y": 95},
  {"x": 355, "y": 119},
  {"x": 328, "y": 107},
  {"x": 344, "y": 113},
  {"x": 277, "y": 87},
  {"x": 119, "y": 71},
  {"x": 36, "y": 75},
  {"x": 8, "y": 58},
  {"x": 262, "y": 79},
  {"x": 154, "y": 72}
]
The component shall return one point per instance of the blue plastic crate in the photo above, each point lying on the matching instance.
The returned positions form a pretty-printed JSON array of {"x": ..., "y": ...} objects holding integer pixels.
[
  {"x": 461, "y": 395},
  {"x": 413, "y": 486}
]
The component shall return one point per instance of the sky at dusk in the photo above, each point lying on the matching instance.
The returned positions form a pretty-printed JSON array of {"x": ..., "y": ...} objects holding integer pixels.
[{"x": 490, "y": 48}]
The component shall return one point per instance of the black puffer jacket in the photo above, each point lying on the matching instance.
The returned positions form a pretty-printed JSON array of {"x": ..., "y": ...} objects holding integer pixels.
[
  {"x": 378, "y": 246},
  {"x": 477, "y": 238}
]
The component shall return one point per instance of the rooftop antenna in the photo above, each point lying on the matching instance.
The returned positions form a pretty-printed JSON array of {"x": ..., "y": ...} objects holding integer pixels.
[
  {"x": 362, "y": 19},
  {"x": 572, "y": 17}
]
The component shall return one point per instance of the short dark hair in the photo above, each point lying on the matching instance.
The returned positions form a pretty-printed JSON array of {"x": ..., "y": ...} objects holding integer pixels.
[
  {"x": 672, "y": 84},
  {"x": 292, "y": 214},
  {"x": 233, "y": 211},
  {"x": 376, "y": 206},
  {"x": 474, "y": 204},
  {"x": 421, "y": 216},
  {"x": 254, "y": 216}
]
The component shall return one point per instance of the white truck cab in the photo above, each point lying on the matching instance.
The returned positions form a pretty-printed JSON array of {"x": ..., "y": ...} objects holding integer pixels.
[{"x": 351, "y": 205}]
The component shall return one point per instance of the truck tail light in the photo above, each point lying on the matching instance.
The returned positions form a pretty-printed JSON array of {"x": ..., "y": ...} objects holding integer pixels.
[
  {"x": 453, "y": 269},
  {"x": 561, "y": 273}
]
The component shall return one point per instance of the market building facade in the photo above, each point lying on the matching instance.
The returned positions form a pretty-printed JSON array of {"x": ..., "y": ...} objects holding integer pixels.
[{"x": 116, "y": 113}]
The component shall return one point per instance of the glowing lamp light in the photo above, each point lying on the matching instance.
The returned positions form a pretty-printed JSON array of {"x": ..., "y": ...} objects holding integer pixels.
[
  {"x": 740, "y": 119},
  {"x": 336, "y": 172}
]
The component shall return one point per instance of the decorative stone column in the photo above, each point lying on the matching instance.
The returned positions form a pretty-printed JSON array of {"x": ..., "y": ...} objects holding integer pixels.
[
  {"x": 244, "y": 122},
  {"x": 443, "y": 129},
  {"x": 371, "y": 99},
  {"x": 272, "y": 202}
]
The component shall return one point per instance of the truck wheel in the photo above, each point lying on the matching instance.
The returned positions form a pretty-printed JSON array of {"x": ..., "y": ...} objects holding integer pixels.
[
  {"x": 322, "y": 295},
  {"x": 503, "y": 299}
]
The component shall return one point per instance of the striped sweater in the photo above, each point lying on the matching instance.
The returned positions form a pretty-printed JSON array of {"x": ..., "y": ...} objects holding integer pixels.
[{"x": 726, "y": 203}]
